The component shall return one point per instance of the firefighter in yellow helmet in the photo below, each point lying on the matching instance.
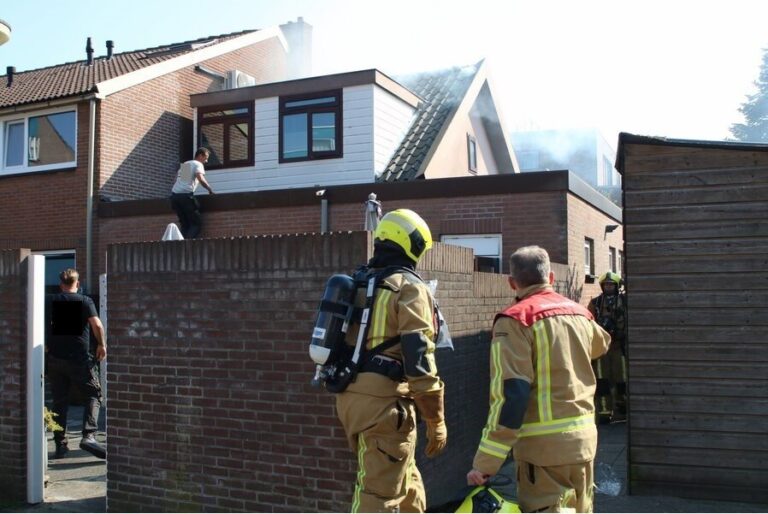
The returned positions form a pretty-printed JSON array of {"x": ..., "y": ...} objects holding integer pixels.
[
  {"x": 542, "y": 392},
  {"x": 610, "y": 311},
  {"x": 378, "y": 409}
]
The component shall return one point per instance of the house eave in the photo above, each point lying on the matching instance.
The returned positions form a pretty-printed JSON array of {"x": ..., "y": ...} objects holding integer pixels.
[{"x": 306, "y": 85}]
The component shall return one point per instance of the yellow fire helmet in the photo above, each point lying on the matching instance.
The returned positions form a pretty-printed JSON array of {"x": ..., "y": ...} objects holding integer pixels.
[
  {"x": 610, "y": 276},
  {"x": 485, "y": 499},
  {"x": 407, "y": 230}
]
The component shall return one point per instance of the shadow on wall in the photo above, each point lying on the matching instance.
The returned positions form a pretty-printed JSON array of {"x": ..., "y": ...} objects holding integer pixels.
[
  {"x": 150, "y": 169},
  {"x": 465, "y": 374}
]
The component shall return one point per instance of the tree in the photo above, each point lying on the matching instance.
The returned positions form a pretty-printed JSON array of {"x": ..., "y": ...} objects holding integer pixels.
[{"x": 755, "y": 110}]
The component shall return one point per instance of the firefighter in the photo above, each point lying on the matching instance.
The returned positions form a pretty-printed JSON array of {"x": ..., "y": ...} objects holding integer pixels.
[
  {"x": 542, "y": 392},
  {"x": 378, "y": 409},
  {"x": 609, "y": 309}
]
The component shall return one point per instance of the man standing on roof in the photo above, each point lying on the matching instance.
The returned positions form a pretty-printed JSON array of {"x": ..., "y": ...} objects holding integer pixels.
[
  {"x": 190, "y": 174},
  {"x": 542, "y": 392},
  {"x": 397, "y": 374},
  {"x": 610, "y": 311}
]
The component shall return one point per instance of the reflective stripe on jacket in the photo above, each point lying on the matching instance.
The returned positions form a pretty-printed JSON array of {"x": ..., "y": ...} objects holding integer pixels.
[
  {"x": 403, "y": 307},
  {"x": 542, "y": 384}
]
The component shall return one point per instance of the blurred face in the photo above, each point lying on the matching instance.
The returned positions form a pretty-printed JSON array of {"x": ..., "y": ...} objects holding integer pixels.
[{"x": 609, "y": 288}]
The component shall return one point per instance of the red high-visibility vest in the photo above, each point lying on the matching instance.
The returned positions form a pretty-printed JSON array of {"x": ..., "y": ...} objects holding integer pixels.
[{"x": 543, "y": 304}]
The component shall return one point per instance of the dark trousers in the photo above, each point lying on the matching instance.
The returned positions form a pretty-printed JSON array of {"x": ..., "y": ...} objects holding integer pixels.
[
  {"x": 62, "y": 374},
  {"x": 188, "y": 210}
]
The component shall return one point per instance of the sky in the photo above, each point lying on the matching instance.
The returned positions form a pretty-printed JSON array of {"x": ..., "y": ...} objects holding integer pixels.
[{"x": 673, "y": 68}]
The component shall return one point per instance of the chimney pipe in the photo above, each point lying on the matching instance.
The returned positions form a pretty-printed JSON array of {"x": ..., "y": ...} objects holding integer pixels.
[
  {"x": 10, "y": 70},
  {"x": 89, "y": 52},
  {"x": 110, "y": 46}
]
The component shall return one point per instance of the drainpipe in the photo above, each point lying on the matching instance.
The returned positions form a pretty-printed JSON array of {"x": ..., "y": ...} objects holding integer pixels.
[{"x": 89, "y": 195}]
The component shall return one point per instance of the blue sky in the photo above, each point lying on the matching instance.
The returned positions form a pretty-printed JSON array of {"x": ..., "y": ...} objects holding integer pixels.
[{"x": 675, "y": 68}]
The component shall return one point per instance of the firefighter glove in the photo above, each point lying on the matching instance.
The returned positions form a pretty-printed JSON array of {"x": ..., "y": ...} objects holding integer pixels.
[
  {"x": 430, "y": 405},
  {"x": 437, "y": 438}
]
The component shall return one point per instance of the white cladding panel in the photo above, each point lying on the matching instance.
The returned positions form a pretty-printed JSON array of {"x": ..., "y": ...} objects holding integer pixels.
[
  {"x": 355, "y": 167},
  {"x": 392, "y": 119}
]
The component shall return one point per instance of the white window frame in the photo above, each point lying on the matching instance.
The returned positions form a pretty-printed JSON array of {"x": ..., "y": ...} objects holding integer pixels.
[
  {"x": 589, "y": 257},
  {"x": 25, "y": 167},
  {"x": 447, "y": 238},
  {"x": 612, "y": 259}
]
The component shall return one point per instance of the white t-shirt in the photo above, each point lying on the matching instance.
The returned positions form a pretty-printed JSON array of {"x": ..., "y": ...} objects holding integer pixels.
[{"x": 186, "y": 178}]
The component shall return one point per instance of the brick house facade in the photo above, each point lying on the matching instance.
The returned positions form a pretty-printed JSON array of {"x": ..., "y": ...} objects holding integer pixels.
[
  {"x": 142, "y": 127},
  {"x": 553, "y": 209}
]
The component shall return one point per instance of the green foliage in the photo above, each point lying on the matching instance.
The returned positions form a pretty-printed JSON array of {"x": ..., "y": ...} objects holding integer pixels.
[{"x": 755, "y": 110}]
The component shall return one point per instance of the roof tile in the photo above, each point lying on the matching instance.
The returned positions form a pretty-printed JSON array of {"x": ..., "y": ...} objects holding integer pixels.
[
  {"x": 442, "y": 91},
  {"x": 77, "y": 78}
]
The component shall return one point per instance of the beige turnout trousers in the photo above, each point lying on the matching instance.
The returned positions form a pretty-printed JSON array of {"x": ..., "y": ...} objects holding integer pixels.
[
  {"x": 568, "y": 488},
  {"x": 382, "y": 432}
]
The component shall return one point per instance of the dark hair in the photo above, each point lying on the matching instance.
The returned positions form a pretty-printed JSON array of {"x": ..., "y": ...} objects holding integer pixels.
[
  {"x": 529, "y": 265},
  {"x": 202, "y": 151}
]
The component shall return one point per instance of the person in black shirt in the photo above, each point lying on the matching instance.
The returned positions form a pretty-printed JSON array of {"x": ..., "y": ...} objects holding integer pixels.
[{"x": 70, "y": 318}]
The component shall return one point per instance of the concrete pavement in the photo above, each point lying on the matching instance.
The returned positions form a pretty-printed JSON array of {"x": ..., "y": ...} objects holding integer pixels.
[{"x": 78, "y": 482}]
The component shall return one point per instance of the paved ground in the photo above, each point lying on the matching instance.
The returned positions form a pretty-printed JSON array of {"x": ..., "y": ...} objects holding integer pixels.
[{"x": 77, "y": 483}]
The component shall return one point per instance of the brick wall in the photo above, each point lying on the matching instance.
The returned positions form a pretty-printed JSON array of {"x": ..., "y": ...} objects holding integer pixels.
[
  {"x": 146, "y": 130},
  {"x": 521, "y": 218},
  {"x": 210, "y": 407},
  {"x": 586, "y": 221},
  {"x": 13, "y": 336},
  {"x": 142, "y": 135}
]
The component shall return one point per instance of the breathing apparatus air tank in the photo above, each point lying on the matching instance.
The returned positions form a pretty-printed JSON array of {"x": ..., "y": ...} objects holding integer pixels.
[{"x": 333, "y": 318}]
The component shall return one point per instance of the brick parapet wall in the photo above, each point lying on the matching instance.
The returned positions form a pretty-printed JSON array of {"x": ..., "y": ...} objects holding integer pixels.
[
  {"x": 13, "y": 422},
  {"x": 210, "y": 407},
  {"x": 521, "y": 219}
]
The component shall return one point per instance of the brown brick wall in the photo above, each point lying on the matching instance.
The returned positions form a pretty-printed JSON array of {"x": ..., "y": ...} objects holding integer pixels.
[
  {"x": 586, "y": 221},
  {"x": 146, "y": 130},
  {"x": 13, "y": 337},
  {"x": 142, "y": 134},
  {"x": 46, "y": 210},
  {"x": 522, "y": 219},
  {"x": 210, "y": 407}
]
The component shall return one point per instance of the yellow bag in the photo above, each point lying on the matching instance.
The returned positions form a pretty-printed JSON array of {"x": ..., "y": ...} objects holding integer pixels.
[{"x": 485, "y": 499}]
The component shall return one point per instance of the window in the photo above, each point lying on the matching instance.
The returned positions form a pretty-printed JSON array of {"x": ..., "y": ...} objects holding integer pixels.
[
  {"x": 40, "y": 142},
  {"x": 487, "y": 249},
  {"x": 310, "y": 127},
  {"x": 55, "y": 263},
  {"x": 612, "y": 259},
  {"x": 227, "y": 132},
  {"x": 472, "y": 153},
  {"x": 621, "y": 264},
  {"x": 589, "y": 257}
]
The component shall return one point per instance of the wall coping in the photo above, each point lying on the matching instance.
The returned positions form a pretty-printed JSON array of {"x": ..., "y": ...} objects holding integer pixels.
[{"x": 459, "y": 187}]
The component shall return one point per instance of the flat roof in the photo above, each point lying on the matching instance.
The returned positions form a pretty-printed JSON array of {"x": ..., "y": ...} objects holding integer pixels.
[
  {"x": 633, "y": 139},
  {"x": 306, "y": 85}
]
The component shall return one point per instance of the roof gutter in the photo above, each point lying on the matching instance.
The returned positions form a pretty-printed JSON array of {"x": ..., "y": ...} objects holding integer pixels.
[{"x": 36, "y": 106}]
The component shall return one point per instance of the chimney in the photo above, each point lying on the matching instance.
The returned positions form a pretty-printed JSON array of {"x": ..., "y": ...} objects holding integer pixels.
[
  {"x": 89, "y": 52},
  {"x": 110, "y": 46},
  {"x": 10, "y": 70},
  {"x": 298, "y": 35}
]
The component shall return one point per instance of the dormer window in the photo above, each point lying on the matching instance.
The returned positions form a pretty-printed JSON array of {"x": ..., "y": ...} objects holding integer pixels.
[
  {"x": 310, "y": 127},
  {"x": 226, "y": 132}
]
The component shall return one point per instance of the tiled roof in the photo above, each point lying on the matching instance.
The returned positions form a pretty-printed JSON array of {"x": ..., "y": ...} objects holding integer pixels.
[
  {"x": 442, "y": 92},
  {"x": 76, "y": 78}
]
